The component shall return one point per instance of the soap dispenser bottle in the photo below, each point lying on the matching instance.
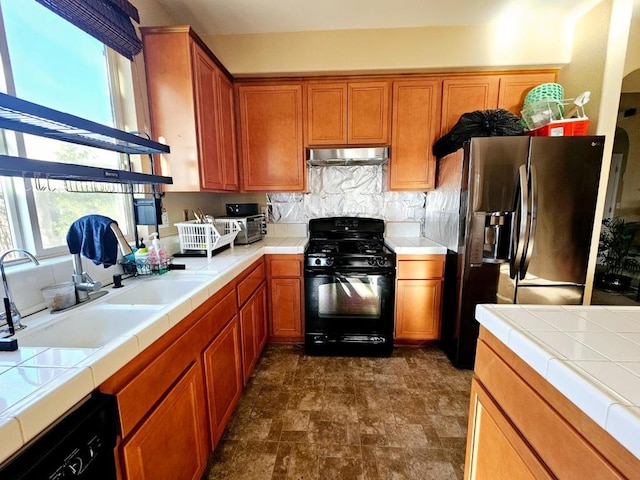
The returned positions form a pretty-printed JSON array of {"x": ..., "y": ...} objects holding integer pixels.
[{"x": 158, "y": 255}]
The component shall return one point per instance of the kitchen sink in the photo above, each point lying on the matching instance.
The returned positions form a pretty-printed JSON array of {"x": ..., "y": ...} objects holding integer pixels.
[
  {"x": 88, "y": 328},
  {"x": 159, "y": 291}
]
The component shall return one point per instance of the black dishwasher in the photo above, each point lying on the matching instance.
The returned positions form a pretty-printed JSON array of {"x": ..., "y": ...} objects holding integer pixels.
[{"x": 78, "y": 446}]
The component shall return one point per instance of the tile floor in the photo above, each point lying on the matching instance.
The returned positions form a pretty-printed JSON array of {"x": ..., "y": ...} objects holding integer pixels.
[{"x": 325, "y": 418}]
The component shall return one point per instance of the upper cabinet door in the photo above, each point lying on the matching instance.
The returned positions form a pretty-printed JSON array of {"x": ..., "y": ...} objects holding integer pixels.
[
  {"x": 271, "y": 132},
  {"x": 206, "y": 103},
  {"x": 191, "y": 107},
  {"x": 513, "y": 89},
  {"x": 227, "y": 133},
  {"x": 348, "y": 113},
  {"x": 415, "y": 128},
  {"x": 327, "y": 113},
  {"x": 368, "y": 113},
  {"x": 467, "y": 94}
]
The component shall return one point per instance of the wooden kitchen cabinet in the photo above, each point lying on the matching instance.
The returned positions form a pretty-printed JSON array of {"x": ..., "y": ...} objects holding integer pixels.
[
  {"x": 467, "y": 94},
  {"x": 520, "y": 426},
  {"x": 180, "y": 418},
  {"x": 271, "y": 137},
  {"x": 192, "y": 110},
  {"x": 487, "y": 92},
  {"x": 498, "y": 450},
  {"x": 415, "y": 128},
  {"x": 253, "y": 325},
  {"x": 223, "y": 375},
  {"x": 419, "y": 297},
  {"x": 513, "y": 88},
  {"x": 285, "y": 280},
  {"x": 348, "y": 113},
  {"x": 178, "y": 376},
  {"x": 252, "y": 300}
]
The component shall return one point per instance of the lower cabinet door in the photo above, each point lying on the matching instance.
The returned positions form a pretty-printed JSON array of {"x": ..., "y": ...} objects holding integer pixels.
[
  {"x": 223, "y": 377},
  {"x": 172, "y": 442},
  {"x": 253, "y": 330},
  {"x": 286, "y": 308},
  {"x": 260, "y": 305},
  {"x": 418, "y": 304},
  {"x": 495, "y": 449}
]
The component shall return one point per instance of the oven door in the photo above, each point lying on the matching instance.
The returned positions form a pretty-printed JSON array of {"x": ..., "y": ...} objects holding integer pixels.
[{"x": 349, "y": 307}]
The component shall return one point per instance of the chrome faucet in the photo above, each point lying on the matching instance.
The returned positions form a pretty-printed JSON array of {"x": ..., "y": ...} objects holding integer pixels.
[
  {"x": 84, "y": 284},
  {"x": 15, "y": 314}
]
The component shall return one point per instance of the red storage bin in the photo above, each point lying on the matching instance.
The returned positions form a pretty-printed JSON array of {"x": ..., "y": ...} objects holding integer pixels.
[{"x": 572, "y": 127}]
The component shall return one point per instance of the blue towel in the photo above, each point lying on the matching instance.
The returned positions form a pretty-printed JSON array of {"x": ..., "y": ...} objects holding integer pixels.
[{"x": 92, "y": 237}]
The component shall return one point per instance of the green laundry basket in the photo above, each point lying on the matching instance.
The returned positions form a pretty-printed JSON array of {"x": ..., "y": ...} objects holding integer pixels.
[{"x": 546, "y": 91}]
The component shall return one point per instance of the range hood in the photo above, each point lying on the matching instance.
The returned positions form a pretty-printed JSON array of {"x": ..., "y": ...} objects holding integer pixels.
[{"x": 327, "y": 157}]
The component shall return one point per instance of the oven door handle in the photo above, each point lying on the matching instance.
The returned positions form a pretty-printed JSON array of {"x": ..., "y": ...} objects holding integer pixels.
[{"x": 343, "y": 275}]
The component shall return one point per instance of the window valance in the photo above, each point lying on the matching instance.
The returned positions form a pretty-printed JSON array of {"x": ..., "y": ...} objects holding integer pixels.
[{"x": 107, "y": 20}]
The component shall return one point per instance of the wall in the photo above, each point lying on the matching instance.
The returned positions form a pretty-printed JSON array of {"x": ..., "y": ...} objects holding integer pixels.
[
  {"x": 597, "y": 65},
  {"x": 406, "y": 49},
  {"x": 629, "y": 206},
  {"x": 632, "y": 61}
]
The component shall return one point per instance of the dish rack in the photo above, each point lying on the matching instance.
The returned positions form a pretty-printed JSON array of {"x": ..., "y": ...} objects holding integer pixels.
[{"x": 209, "y": 236}]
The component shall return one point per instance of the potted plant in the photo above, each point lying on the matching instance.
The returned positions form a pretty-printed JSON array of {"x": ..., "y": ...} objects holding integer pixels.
[{"x": 616, "y": 240}]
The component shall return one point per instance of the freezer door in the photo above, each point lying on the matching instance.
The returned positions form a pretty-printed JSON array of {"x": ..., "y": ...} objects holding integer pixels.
[{"x": 565, "y": 174}]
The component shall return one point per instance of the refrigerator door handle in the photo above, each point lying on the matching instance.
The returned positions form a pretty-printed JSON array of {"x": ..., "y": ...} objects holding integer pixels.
[
  {"x": 520, "y": 227},
  {"x": 532, "y": 223}
]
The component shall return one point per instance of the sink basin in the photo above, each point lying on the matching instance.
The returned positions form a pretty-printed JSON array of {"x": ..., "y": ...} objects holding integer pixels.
[
  {"x": 159, "y": 291},
  {"x": 89, "y": 328}
]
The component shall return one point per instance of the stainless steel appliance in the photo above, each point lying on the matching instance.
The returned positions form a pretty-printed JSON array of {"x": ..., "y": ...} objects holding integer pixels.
[
  {"x": 517, "y": 216},
  {"x": 252, "y": 228},
  {"x": 349, "y": 279}
]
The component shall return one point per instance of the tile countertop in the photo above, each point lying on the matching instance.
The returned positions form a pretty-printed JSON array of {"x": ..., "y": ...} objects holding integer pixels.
[
  {"x": 39, "y": 384},
  {"x": 591, "y": 354},
  {"x": 414, "y": 246}
]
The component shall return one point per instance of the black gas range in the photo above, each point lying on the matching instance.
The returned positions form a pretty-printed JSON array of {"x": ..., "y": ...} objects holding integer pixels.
[{"x": 349, "y": 288}]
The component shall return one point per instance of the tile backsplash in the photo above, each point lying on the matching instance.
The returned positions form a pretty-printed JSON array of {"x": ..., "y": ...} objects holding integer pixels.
[{"x": 346, "y": 191}]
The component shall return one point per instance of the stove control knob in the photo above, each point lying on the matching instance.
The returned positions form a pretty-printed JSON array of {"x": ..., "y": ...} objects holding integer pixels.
[
  {"x": 329, "y": 262},
  {"x": 381, "y": 261},
  {"x": 318, "y": 261},
  {"x": 371, "y": 261}
]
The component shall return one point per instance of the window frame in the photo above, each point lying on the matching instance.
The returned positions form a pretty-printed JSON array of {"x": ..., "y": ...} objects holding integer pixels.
[{"x": 20, "y": 201}]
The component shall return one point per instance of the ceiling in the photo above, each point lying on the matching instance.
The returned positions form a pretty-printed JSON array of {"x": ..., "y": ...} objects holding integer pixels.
[{"x": 217, "y": 17}]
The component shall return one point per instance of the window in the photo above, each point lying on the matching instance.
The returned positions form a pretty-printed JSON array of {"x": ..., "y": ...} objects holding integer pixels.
[{"x": 49, "y": 61}]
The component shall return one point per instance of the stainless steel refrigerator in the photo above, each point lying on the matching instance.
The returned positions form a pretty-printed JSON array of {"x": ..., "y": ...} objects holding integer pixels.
[{"x": 516, "y": 214}]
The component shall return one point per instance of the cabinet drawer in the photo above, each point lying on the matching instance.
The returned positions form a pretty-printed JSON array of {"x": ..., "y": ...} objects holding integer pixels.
[
  {"x": 216, "y": 318},
  {"x": 250, "y": 282},
  {"x": 421, "y": 269},
  {"x": 285, "y": 267},
  {"x": 139, "y": 395}
]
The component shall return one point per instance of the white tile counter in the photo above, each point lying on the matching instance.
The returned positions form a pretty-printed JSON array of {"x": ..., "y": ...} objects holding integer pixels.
[
  {"x": 39, "y": 384},
  {"x": 591, "y": 354},
  {"x": 414, "y": 246}
]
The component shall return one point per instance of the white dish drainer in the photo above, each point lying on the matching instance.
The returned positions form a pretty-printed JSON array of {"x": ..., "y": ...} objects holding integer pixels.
[{"x": 195, "y": 235}]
